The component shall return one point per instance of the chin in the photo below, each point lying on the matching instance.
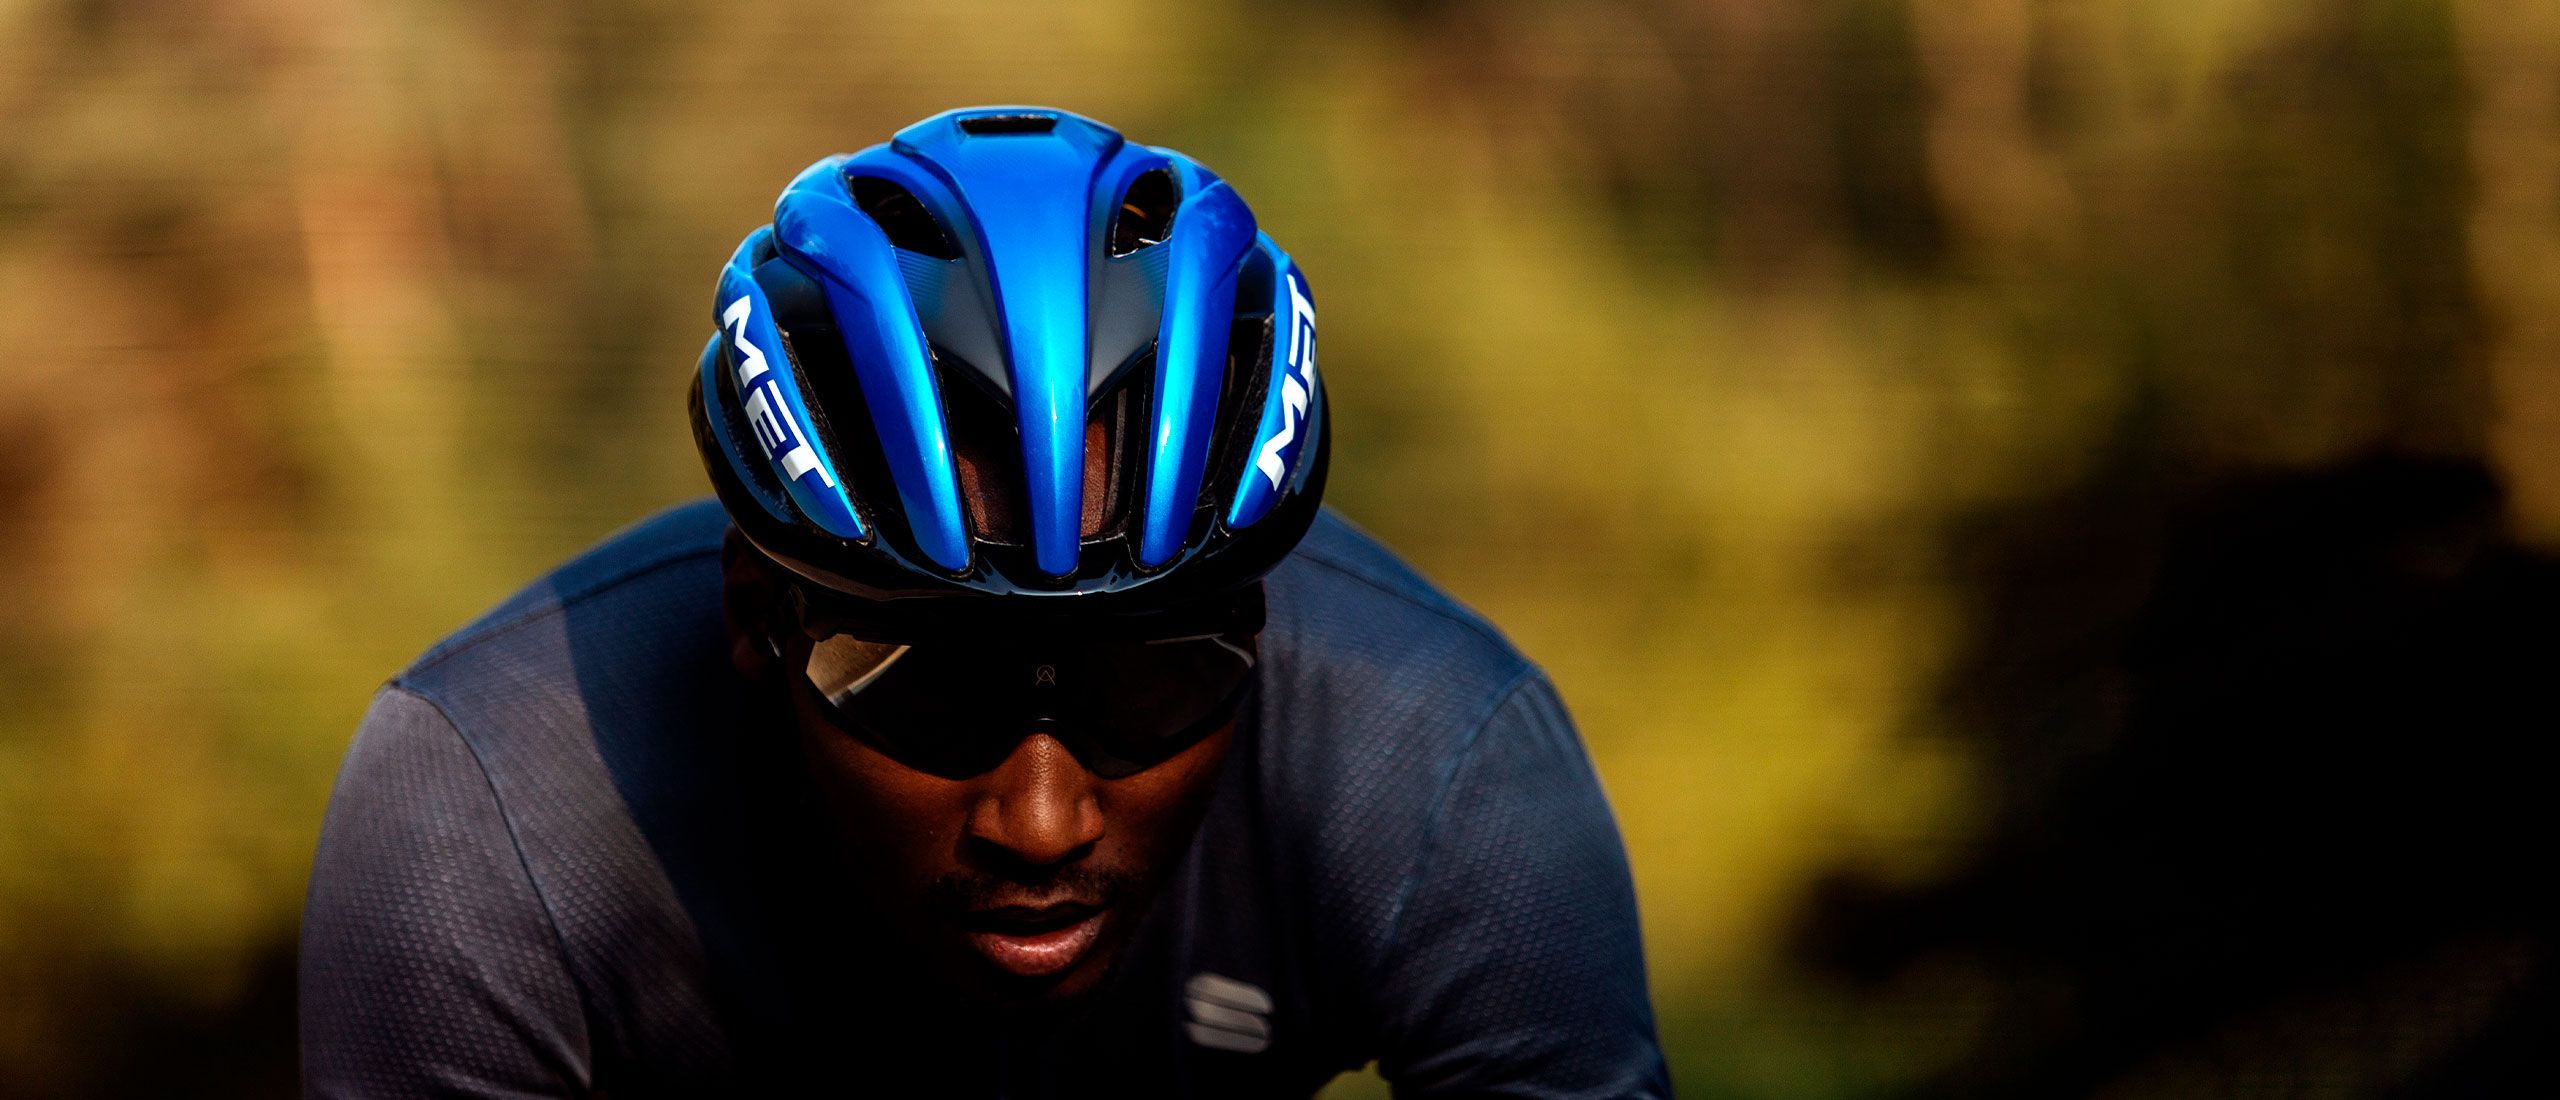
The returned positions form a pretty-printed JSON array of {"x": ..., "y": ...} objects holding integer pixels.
[{"x": 1069, "y": 988}]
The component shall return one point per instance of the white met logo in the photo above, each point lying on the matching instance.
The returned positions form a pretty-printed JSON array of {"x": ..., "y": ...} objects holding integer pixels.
[
  {"x": 766, "y": 412},
  {"x": 1227, "y": 1014},
  {"x": 1295, "y": 389}
]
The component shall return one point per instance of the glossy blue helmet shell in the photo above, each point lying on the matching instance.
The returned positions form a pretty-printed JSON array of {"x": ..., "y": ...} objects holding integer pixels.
[{"x": 1010, "y": 354}]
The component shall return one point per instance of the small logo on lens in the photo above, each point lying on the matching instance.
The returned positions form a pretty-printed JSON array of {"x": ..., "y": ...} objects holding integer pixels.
[{"x": 1045, "y": 676}]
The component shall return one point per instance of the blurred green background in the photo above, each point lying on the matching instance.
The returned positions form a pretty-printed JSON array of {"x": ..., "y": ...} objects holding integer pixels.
[{"x": 1925, "y": 439}]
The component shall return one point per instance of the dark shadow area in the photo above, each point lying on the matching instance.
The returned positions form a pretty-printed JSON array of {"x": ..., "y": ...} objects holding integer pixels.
[
  {"x": 138, "y": 1033},
  {"x": 2259, "y": 801}
]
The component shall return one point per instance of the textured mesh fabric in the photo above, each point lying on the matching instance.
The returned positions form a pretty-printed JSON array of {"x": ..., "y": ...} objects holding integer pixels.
[
  {"x": 440, "y": 944},
  {"x": 562, "y": 860}
]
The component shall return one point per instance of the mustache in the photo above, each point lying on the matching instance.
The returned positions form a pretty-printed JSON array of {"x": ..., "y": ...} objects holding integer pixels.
[{"x": 961, "y": 892}]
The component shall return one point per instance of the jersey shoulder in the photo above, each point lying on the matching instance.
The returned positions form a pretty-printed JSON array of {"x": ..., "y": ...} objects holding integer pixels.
[
  {"x": 592, "y": 713},
  {"x": 1346, "y": 605},
  {"x": 686, "y": 534},
  {"x": 1379, "y": 691},
  {"x": 604, "y": 683}
]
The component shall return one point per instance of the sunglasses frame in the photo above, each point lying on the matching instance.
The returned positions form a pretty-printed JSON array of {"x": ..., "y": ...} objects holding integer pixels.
[{"x": 1223, "y": 623}]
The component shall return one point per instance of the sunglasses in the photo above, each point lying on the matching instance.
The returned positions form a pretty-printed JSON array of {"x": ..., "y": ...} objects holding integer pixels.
[{"x": 1120, "y": 701}]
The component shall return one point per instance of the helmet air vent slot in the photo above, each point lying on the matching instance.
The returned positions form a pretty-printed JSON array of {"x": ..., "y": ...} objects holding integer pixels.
[
  {"x": 986, "y": 450},
  {"x": 903, "y": 217},
  {"x": 1145, "y": 216},
  {"x": 994, "y": 125}
]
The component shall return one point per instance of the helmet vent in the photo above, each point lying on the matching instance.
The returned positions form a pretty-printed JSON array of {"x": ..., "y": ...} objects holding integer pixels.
[
  {"x": 1145, "y": 216},
  {"x": 839, "y": 418},
  {"x": 903, "y": 217},
  {"x": 1115, "y": 453},
  {"x": 1248, "y": 376},
  {"x": 992, "y": 125},
  {"x": 986, "y": 450}
]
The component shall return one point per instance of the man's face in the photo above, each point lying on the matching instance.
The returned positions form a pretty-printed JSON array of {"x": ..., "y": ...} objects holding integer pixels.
[{"x": 1018, "y": 884}]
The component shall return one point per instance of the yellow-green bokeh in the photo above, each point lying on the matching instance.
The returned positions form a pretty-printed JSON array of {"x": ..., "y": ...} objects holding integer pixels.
[{"x": 1673, "y": 336}]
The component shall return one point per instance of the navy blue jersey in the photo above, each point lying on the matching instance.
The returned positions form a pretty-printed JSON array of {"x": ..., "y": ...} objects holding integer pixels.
[{"x": 568, "y": 856}]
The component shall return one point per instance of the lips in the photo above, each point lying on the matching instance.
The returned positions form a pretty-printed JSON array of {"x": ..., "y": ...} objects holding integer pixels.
[{"x": 1034, "y": 941}]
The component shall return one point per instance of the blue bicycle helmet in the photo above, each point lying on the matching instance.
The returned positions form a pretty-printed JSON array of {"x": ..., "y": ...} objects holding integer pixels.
[{"x": 1008, "y": 356}]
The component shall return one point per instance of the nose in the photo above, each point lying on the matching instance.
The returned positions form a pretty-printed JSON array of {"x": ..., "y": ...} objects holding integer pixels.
[{"x": 1039, "y": 806}]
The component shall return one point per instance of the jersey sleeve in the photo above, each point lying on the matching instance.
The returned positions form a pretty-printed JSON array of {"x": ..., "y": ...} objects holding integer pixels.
[
  {"x": 1516, "y": 967},
  {"x": 430, "y": 966}
]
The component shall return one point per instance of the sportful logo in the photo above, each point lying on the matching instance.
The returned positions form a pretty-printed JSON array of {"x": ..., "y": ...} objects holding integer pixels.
[
  {"x": 1294, "y": 393},
  {"x": 1227, "y": 1014},
  {"x": 766, "y": 412}
]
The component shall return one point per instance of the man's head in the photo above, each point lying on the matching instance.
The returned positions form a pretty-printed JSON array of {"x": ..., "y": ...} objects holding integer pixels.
[
  {"x": 1011, "y": 417},
  {"x": 1011, "y": 847}
]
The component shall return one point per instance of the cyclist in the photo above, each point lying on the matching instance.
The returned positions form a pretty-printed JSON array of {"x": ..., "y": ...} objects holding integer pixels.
[{"x": 1014, "y": 723}]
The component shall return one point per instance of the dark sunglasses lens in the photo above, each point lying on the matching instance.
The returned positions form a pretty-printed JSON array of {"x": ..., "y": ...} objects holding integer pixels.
[
  {"x": 914, "y": 704},
  {"x": 1121, "y": 707},
  {"x": 1156, "y": 699}
]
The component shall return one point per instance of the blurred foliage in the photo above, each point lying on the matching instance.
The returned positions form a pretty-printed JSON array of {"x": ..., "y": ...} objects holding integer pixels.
[{"x": 1736, "y": 356}]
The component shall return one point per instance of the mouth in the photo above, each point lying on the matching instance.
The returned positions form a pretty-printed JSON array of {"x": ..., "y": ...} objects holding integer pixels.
[{"x": 1034, "y": 941}]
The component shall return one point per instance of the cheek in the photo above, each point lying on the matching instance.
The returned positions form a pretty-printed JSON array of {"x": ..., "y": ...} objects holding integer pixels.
[
  {"x": 890, "y": 816},
  {"x": 1158, "y": 808}
]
